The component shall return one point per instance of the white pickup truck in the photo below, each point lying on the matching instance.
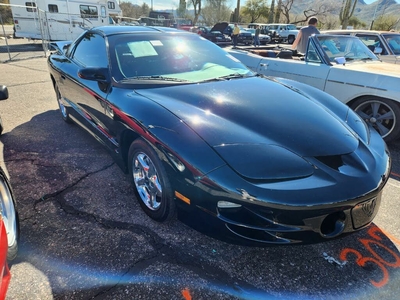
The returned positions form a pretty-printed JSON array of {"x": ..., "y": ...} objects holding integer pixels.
[{"x": 283, "y": 32}]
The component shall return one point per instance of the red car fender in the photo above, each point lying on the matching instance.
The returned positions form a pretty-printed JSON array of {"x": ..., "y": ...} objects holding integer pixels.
[{"x": 4, "y": 270}]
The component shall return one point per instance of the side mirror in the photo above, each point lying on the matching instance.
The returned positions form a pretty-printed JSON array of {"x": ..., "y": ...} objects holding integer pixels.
[
  {"x": 59, "y": 46},
  {"x": 3, "y": 92},
  {"x": 95, "y": 74},
  {"x": 340, "y": 60},
  {"x": 378, "y": 50}
]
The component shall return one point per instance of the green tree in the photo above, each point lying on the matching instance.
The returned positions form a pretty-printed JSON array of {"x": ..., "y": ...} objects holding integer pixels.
[
  {"x": 181, "y": 10},
  {"x": 255, "y": 9},
  {"x": 356, "y": 23},
  {"x": 134, "y": 11},
  {"x": 5, "y": 12},
  {"x": 145, "y": 9},
  {"x": 347, "y": 12},
  {"x": 271, "y": 12},
  {"x": 215, "y": 11},
  {"x": 386, "y": 22},
  {"x": 197, "y": 10},
  {"x": 278, "y": 11}
]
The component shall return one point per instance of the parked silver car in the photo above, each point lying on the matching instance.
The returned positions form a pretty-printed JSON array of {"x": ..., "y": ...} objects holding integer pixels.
[
  {"x": 264, "y": 38},
  {"x": 387, "y": 41}
]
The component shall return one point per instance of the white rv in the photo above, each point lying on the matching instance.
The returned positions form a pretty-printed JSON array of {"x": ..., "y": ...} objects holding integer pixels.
[
  {"x": 114, "y": 9},
  {"x": 56, "y": 20}
]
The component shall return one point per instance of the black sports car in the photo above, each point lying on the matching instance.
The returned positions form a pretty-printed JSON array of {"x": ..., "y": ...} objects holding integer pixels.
[
  {"x": 215, "y": 34},
  {"x": 245, "y": 37},
  {"x": 267, "y": 160}
]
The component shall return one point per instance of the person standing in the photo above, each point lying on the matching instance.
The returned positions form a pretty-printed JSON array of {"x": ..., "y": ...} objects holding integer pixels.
[
  {"x": 257, "y": 36},
  {"x": 301, "y": 41},
  {"x": 235, "y": 34}
]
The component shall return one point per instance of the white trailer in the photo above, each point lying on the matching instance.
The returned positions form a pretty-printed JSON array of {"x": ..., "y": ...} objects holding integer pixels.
[
  {"x": 56, "y": 20},
  {"x": 114, "y": 9}
]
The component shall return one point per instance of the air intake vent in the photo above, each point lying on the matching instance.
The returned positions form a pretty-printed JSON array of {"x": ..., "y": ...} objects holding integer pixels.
[{"x": 334, "y": 161}]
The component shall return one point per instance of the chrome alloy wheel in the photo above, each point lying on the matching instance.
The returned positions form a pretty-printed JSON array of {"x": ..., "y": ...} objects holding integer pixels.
[
  {"x": 8, "y": 213},
  {"x": 146, "y": 179}
]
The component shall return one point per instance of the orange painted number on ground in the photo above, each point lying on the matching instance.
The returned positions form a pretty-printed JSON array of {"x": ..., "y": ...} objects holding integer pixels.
[{"x": 370, "y": 245}]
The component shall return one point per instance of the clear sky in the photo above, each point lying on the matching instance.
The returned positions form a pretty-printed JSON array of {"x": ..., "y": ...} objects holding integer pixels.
[{"x": 173, "y": 4}]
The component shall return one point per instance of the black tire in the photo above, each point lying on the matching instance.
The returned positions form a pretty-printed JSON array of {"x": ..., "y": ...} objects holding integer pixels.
[
  {"x": 150, "y": 181},
  {"x": 63, "y": 109},
  {"x": 10, "y": 216},
  {"x": 383, "y": 114},
  {"x": 291, "y": 39}
]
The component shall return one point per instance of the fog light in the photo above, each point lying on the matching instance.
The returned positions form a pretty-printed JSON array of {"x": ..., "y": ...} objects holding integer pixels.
[
  {"x": 333, "y": 225},
  {"x": 227, "y": 204}
]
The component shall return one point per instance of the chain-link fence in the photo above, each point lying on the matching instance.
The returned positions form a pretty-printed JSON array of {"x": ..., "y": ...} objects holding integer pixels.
[
  {"x": 25, "y": 31},
  {"x": 13, "y": 48}
]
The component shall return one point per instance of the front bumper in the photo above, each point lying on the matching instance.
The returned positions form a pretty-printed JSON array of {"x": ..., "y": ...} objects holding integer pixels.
[
  {"x": 310, "y": 209},
  {"x": 299, "y": 224}
]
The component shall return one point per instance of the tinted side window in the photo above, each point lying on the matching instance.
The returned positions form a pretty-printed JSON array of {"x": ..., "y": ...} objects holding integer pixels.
[
  {"x": 372, "y": 41},
  {"x": 91, "y": 51},
  {"x": 312, "y": 55}
]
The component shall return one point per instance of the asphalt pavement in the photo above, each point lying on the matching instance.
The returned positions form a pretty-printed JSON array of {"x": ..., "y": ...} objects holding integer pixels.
[{"x": 84, "y": 236}]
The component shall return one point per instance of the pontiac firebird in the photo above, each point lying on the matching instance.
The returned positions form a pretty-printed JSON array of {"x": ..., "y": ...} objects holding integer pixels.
[{"x": 267, "y": 160}]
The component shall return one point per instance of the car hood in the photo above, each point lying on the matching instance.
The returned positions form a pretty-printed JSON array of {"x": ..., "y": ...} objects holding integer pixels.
[
  {"x": 380, "y": 76},
  {"x": 373, "y": 67},
  {"x": 257, "y": 111},
  {"x": 220, "y": 27}
]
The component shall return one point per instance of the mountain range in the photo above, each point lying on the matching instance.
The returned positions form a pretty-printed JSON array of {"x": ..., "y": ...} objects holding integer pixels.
[{"x": 364, "y": 12}]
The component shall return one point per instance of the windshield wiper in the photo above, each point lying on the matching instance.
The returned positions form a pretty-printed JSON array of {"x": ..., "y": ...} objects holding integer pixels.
[
  {"x": 154, "y": 77},
  {"x": 227, "y": 77},
  {"x": 231, "y": 76}
]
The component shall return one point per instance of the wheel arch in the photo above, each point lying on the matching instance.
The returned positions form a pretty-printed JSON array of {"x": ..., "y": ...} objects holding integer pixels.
[
  {"x": 127, "y": 138},
  {"x": 352, "y": 101},
  {"x": 53, "y": 80}
]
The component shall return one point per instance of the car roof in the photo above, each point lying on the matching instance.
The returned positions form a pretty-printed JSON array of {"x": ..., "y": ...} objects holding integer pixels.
[
  {"x": 279, "y": 24},
  {"x": 358, "y": 31},
  {"x": 112, "y": 29}
]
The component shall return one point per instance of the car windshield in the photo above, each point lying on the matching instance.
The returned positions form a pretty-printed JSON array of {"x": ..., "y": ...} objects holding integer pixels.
[
  {"x": 351, "y": 48},
  {"x": 393, "y": 41},
  {"x": 171, "y": 57}
]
